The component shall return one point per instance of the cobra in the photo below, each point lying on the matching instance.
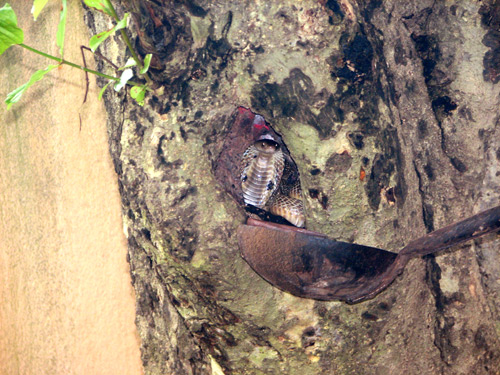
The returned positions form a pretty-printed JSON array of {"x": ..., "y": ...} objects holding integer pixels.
[{"x": 265, "y": 183}]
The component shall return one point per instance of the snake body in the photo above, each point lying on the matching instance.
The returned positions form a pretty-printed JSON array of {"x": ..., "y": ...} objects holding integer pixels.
[
  {"x": 268, "y": 181},
  {"x": 263, "y": 164},
  {"x": 256, "y": 168},
  {"x": 289, "y": 207}
]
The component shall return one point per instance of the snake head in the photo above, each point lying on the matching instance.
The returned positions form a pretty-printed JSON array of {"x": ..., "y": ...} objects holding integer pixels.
[{"x": 267, "y": 146}]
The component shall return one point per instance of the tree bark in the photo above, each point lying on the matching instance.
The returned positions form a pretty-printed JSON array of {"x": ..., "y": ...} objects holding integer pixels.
[
  {"x": 66, "y": 303},
  {"x": 390, "y": 110}
]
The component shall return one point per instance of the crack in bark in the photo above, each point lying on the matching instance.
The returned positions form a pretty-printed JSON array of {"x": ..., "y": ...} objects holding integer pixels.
[
  {"x": 443, "y": 324},
  {"x": 429, "y": 51},
  {"x": 427, "y": 210}
]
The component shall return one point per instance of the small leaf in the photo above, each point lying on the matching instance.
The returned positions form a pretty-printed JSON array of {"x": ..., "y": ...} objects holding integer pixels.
[
  {"x": 10, "y": 34},
  {"x": 38, "y": 5},
  {"x": 14, "y": 96},
  {"x": 61, "y": 28},
  {"x": 99, "y": 5},
  {"x": 124, "y": 78},
  {"x": 138, "y": 93},
  {"x": 101, "y": 93},
  {"x": 129, "y": 64},
  {"x": 96, "y": 40},
  {"x": 147, "y": 61}
]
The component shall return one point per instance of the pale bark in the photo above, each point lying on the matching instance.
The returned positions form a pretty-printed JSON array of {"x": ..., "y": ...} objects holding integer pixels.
[
  {"x": 390, "y": 111},
  {"x": 66, "y": 303}
]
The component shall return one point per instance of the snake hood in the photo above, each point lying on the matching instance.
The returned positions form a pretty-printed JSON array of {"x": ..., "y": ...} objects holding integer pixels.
[{"x": 263, "y": 164}]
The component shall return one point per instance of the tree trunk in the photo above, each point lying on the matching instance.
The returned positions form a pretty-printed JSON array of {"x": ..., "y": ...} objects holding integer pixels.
[{"x": 390, "y": 110}]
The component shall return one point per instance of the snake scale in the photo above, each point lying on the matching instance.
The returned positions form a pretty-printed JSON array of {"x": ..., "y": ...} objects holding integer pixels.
[
  {"x": 264, "y": 182},
  {"x": 256, "y": 168}
]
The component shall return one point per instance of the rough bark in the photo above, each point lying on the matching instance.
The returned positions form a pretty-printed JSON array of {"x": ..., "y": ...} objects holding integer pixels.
[{"x": 390, "y": 111}]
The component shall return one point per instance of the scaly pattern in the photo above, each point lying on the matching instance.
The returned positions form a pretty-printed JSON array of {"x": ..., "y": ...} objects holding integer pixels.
[
  {"x": 268, "y": 182},
  {"x": 289, "y": 208},
  {"x": 263, "y": 164}
]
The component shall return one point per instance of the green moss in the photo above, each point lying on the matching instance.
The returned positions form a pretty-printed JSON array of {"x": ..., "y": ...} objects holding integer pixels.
[
  {"x": 199, "y": 30},
  {"x": 259, "y": 354}
]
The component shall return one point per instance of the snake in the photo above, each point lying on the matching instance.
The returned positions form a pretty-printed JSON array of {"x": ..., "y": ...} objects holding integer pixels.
[
  {"x": 255, "y": 167},
  {"x": 269, "y": 181}
]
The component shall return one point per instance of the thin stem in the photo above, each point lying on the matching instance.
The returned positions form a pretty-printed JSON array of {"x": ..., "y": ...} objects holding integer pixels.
[
  {"x": 134, "y": 56},
  {"x": 126, "y": 39},
  {"x": 101, "y": 56},
  {"x": 65, "y": 62}
]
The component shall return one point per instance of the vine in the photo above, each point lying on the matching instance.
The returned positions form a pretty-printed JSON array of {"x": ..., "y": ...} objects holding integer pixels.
[{"x": 11, "y": 34}]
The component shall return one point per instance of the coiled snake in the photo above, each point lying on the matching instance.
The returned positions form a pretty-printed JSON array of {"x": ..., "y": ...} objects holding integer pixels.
[
  {"x": 264, "y": 177},
  {"x": 255, "y": 166}
]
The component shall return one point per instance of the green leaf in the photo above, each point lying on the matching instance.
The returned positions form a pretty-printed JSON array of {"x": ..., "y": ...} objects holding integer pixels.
[
  {"x": 14, "y": 96},
  {"x": 129, "y": 64},
  {"x": 147, "y": 61},
  {"x": 10, "y": 34},
  {"x": 104, "y": 89},
  {"x": 38, "y": 5},
  {"x": 124, "y": 78},
  {"x": 61, "y": 28},
  {"x": 96, "y": 40},
  {"x": 100, "y": 5},
  {"x": 138, "y": 93}
]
